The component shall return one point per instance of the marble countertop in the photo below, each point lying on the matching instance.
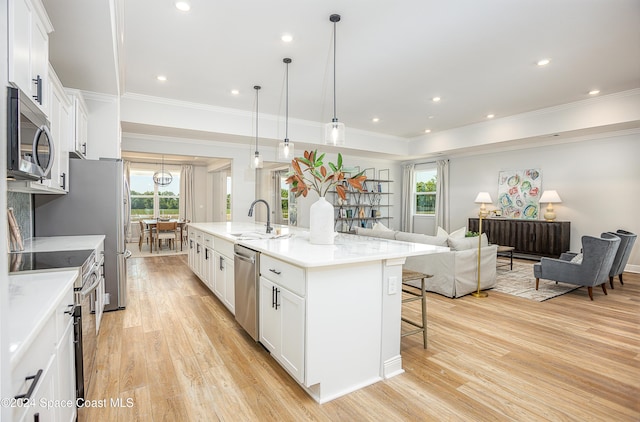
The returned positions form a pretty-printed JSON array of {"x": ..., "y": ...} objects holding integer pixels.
[
  {"x": 294, "y": 246},
  {"x": 33, "y": 298},
  {"x": 62, "y": 243}
]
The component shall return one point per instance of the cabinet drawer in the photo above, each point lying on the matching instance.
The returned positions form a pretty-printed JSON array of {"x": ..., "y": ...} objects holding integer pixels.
[
  {"x": 224, "y": 247},
  {"x": 35, "y": 358},
  {"x": 208, "y": 240},
  {"x": 62, "y": 315},
  {"x": 287, "y": 275}
]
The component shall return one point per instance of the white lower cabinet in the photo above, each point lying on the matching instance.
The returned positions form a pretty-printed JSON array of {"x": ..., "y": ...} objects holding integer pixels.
[
  {"x": 44, "y": 392},
  {"x": 224, "y": 285},
  {"x": 66, "y": 382},
  {"x": 46, "y": 371},
  {"x": 282, "y": 326},
  {"x": 211, "y": 259},
  {"x": 208, "y": 275}
]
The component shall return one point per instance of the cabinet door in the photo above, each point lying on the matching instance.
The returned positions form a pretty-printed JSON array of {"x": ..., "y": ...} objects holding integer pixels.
[
  {"x": 192, "y": 254},
  {"x": 63, "y": 147},
  {"x": 219, "y": 284},
  {"x": 20, "y": 12},
  {"x": 292, "y": 318},
  {"x": 269, "y": 317},
  {"x": 44, "y": 391},
  {"x": 39, "y": 62},
  {"x": 66, "y": 379},
  {"x": 82, "y": 130},
  {"x": 209, "y": 270},
  {"x": 229, "y": 284}
]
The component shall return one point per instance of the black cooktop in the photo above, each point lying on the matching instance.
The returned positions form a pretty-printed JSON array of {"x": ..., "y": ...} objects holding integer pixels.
[{"x": 31, "y": 261}]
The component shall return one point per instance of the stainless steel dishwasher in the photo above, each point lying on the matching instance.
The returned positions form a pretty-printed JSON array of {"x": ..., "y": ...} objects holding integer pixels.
[{"x": 246, "y": 278}]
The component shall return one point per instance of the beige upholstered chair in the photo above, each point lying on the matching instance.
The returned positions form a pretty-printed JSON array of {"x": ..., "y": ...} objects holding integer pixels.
[
  {"x": 145, "y": 235},
  {"x": 166, "y": 231}
]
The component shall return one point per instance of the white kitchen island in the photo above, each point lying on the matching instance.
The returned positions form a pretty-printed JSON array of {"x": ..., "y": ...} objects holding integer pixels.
[{"x": 329, "y": 314}]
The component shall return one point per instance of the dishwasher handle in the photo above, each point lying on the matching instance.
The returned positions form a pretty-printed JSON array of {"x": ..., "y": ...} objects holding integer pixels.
[{"x": 250, "y": 259}]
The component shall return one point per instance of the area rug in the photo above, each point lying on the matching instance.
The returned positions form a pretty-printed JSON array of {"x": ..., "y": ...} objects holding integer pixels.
[
  {"x": 145, "y": 253},
  {"x": 521, "y": 282}
]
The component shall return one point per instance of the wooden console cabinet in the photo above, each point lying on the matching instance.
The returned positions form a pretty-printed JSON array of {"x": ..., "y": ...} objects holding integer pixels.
[{"x": 534, "y": 238}]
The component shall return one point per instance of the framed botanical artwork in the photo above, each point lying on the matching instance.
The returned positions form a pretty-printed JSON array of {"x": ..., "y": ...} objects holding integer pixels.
[{"x": 519, "y": 193}]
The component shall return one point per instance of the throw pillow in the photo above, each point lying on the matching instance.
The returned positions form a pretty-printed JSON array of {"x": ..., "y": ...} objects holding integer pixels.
[
  {"x": 380, "y": 226},
  {"x": 384, "y": 234},
  {"x": 458, "y": 234},
  {"x": 467, "y": 242},
  {"x": 577, "y": 259},
  {"x": 442, "y": 232},
  {"x": 421, "y": 238}
]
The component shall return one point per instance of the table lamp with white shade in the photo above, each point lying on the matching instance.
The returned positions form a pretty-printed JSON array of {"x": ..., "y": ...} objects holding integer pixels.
[
  {"x": 550, "y": 197},
  {"x": 482, "y": 199}
]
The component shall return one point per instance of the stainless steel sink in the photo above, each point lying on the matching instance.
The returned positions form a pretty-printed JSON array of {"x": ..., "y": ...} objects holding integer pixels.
[{"x": 253, "y": 235}]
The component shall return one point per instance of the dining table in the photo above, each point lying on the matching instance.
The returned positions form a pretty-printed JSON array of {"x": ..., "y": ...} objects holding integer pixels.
[{"x": 153, "y": 222}]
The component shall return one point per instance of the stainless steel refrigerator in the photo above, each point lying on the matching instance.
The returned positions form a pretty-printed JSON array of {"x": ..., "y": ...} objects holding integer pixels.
[{"x": 97, "y": 203}]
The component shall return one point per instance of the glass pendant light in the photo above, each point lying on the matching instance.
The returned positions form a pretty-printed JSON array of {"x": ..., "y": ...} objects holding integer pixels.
[
  {"x": 162, "y": 177},
  {"x": 334, "y": 131},
  {"x": 256, "y": 161},
  {"x": 286, "y": 148}
]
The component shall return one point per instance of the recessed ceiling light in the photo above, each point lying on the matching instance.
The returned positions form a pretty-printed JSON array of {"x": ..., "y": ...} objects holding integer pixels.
[
  {"x": 183, "y": 6},
  {"x": 286, "y": 37},
  {"x": 427, "y": 131},
  {"x": 375, "y": 120},
  {"x": 431, "y": 117},
  {"x": 235, "y": 92},
  {"x": 490, "y": 116},
  {"x": 544, "y": 62},
  {"x": 594, "y": 92},
  {"x": 436, "y": 99},
  {"x": 161, "y": 78}
]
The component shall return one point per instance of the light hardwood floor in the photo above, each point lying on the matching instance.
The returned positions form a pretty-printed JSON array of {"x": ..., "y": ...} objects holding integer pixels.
[{"x": 179, "y": 355}]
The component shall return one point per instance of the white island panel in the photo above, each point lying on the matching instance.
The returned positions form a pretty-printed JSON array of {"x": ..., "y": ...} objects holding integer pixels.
[
  {"x": 352, "y": 302},
  {"x": 344, "y": 329}
]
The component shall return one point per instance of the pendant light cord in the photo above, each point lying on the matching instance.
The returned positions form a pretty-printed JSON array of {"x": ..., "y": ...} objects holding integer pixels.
[
  {"x": 334, "y": 70},
  {"x": 257, "y": 88},
  {"x": 286, "y": 119}
]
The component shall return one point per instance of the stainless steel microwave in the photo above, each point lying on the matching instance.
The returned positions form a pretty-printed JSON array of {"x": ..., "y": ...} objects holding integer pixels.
[{"x": 30, "y": 148}]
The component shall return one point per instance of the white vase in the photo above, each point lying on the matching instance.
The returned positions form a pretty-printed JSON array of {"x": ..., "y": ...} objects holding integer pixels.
[{"x": 321, "y": 222}]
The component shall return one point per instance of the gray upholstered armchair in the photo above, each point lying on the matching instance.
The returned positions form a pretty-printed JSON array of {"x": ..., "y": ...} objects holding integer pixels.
[
  {"x": 627, "y": 239},
  {"x": 597, "y": 256}
]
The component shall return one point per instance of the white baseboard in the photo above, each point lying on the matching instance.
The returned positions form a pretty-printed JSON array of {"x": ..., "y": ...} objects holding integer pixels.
[
  {"x": 632, "y": 268},
  {"x": 392, "y": 367}
]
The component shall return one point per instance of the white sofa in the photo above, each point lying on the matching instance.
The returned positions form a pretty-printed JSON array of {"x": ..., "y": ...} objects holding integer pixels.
[{"x": 454, "y": 272}]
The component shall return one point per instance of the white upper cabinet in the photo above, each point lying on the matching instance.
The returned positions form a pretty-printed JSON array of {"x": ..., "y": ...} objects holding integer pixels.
[
  {"x": 60, "y": 116},
  {"x": 79, "y": 117},
  {"x": 29, "y": 28}
]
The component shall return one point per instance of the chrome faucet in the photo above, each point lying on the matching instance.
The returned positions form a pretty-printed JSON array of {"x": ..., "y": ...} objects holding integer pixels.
[{"x": 269, "y": 228}]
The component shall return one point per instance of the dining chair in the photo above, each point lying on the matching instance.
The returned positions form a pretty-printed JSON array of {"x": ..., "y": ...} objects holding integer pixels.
[
  {"x": 166, "y": 231},
  {"x": 184, "y": 235},
  {"x": 145, "y": 235}
]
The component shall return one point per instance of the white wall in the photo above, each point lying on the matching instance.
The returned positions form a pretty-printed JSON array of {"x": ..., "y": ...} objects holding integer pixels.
[
  {"x": 598, "y": 181},
  {"x": 103, "y": 125},
  {"x": 243, "y": 177}
]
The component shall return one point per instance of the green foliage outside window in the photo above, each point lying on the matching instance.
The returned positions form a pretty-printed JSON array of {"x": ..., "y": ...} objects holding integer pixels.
[
  {"x": 284, "y": 205},
  {"x": 142, "y": 204},
  {"x": 426, "y": 204}
]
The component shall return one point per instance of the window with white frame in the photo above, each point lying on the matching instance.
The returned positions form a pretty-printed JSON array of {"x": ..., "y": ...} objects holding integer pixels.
[
  {"x": 148, "y": 199},
  {"x": 426, "y": 180}
]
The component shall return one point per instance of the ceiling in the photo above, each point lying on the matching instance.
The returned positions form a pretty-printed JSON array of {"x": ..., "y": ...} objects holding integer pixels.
[{"x": 393, "y": 57}]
